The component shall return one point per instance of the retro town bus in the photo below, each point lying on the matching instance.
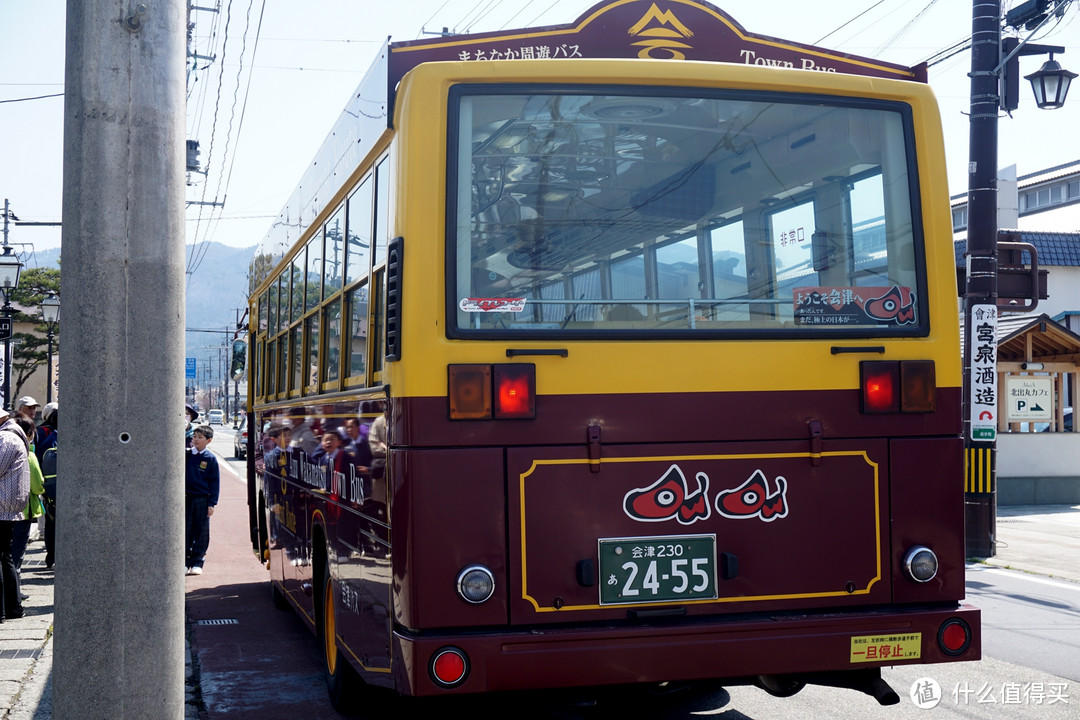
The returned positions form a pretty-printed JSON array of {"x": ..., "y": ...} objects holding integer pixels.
[{"x": 620, "y": 352}]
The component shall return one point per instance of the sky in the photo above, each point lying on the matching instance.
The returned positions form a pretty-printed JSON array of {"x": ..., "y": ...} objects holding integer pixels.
[{"x": 283, "y": 70}]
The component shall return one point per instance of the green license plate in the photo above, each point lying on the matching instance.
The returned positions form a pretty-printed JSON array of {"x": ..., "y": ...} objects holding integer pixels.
[{"x": 657, "y": 569}]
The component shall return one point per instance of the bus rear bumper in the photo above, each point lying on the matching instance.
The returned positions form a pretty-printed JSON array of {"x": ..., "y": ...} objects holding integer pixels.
[{"x": 710, "y": 650}]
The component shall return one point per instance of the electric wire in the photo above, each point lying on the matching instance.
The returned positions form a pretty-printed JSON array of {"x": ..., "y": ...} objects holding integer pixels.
[
  {"x": 833, "y": 32},
  {"x": 197, "y": 254},
  {"x": 461, "y": 23},
  {"x": 223, "y": 176},
  {"x": 423, "y": 25},
  {"x": 903, "y": 30},
  {"x": 542, "y": 13},
  {"x": 36, "y": 97},
  {"x": 520, "y": 10},
  {"x": 492, "y": 5}
]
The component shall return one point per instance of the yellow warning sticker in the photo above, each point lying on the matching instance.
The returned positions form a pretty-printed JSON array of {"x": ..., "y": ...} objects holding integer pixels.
[{"x": 886, "y": 648}]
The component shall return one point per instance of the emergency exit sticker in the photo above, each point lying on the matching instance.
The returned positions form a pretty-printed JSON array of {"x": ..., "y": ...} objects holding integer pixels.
[{"x": 883, "y": 648}]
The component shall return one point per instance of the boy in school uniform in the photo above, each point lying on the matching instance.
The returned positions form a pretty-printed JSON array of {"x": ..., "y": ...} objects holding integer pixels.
[{"x": 203, "y": 482}]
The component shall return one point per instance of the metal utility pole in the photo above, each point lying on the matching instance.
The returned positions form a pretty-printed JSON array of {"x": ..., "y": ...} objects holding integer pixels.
[{"x": 119, "y": 633}]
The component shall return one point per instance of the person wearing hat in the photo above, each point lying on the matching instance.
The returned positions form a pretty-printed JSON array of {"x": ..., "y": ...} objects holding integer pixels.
[
  {"x": 27, "y": 407},
  {"x": 45, "y": 435},
  {"x": 14, "y": 493},
  {"x": 192, "y": 416}
]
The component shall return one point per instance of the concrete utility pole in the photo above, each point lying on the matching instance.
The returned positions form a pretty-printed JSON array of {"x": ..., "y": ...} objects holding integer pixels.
[{"x": 119, "y": 644}]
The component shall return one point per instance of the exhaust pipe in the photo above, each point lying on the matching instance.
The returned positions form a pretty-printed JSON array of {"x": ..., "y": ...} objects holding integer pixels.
[{"x": 865, "y": 681}]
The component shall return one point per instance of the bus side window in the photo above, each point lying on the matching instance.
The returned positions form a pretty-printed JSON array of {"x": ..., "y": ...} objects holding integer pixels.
[
  {"x": 382, "y": 209},
  {"x": 358, "y": 332},
  {"x": 332, "y": 349},
  {"x": 309, "y": 360},
  {"x": 334, "y": 263},
  {"x": 258, "y": 370},
  {"x": 377, "y": 322},
  {"x": 295, "y": 338}
]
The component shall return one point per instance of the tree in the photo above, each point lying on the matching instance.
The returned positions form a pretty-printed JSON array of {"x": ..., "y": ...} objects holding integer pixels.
[{"x": 30, "y": 349}]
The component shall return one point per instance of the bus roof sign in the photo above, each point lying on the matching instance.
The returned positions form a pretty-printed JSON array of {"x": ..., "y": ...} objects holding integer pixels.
[{"x": 655, "y": 29}]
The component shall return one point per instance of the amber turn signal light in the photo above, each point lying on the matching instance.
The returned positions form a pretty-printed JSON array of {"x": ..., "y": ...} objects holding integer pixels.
[{"x": 470, "y": 392}]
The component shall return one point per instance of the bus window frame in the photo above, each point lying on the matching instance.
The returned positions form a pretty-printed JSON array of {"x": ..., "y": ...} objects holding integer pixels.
[{"x": 905, "y": 112}]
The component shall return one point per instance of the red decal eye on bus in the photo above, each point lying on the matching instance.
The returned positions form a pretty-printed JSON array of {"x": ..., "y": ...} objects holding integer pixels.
[
  {"x": 890, "y": 306},
  {"x": 752, "y": 499},
  {"x": 669, "y": 497}
]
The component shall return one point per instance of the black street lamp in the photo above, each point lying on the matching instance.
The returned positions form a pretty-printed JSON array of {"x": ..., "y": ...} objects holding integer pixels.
[
  {"x": 50, "y": 313},
  {"x": 1051, "y": 84},
  {"x": 10, "y": 267}
]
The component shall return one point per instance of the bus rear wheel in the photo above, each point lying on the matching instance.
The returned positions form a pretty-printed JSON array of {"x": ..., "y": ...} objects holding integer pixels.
[{"x": 343, "y": 684}]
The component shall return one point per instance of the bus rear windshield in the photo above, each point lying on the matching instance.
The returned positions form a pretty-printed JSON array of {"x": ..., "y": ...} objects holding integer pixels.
[{"x": 600, "y": 214}]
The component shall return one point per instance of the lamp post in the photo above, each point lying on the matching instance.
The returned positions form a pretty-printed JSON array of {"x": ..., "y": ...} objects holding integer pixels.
[
  {"x": 994, "y": 77},
  {"x": 10, "y": 267},
  {"x": 50, "y": 313}
]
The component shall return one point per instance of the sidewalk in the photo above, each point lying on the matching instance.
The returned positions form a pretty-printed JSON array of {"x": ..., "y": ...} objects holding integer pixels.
[{"x": 1038, "y": 539}]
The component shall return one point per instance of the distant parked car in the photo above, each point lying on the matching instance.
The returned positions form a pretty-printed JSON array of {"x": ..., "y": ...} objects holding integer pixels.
[
  {"x": 240, "y": 440},
  {"x": 216, "y": 417}
]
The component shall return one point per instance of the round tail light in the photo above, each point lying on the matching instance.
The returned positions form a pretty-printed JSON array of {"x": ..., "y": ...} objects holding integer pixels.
[
  {"x": 449, "y": 667},
  {"x": 954, "y": 637}
]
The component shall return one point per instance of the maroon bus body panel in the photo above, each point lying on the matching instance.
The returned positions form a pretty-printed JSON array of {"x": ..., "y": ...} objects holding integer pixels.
[
  {"x": 927, "y": 509},
  {"x": 459, "y": 495},
  {"x": 791, "y": 530},
  {"x": 656, "y": 652}
]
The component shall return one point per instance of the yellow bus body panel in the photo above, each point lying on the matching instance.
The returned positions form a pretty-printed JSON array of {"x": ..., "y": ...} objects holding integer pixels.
[{"x": 648, "y": 366}]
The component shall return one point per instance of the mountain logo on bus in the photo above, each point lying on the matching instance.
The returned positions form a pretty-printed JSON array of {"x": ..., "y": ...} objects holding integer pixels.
[
  {"x": 662, "y": 29},
  {"x": 753, "y": 499},
  {"x": 671, "y": 497}
]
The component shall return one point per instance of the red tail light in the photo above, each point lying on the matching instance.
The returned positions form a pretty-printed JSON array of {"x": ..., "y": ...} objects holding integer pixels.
[
  {"x": 880, "y": 387},
  {"x": 954, "y": 637},
  {"x": 515, "y": 391},
  {"x": 908, "y": 386},
  {"x": 449, "y": 667}
]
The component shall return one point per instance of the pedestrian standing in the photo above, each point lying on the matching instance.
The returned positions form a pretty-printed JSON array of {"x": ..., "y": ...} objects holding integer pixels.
[
  {"x": 203, "y": 483},
  {"x": 20, "y": 534},
  {"x": 14, "y": 493}
]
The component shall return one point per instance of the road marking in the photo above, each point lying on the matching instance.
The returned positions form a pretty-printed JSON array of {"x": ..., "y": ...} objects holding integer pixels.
[{"x": 1021, "y": 575}]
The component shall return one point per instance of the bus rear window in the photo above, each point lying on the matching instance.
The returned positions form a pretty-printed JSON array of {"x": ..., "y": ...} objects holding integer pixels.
[{"x": 592, "y": 214}]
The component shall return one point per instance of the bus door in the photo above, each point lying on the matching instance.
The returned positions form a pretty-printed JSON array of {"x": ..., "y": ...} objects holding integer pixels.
[{"x": 697, "y": 529}]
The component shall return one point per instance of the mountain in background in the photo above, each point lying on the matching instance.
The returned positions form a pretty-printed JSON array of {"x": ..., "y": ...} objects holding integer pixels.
[{"x": 216, "y": 288}]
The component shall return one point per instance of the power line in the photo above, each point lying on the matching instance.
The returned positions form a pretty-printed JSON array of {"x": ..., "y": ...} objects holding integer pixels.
[{"x": 37, "y": 97}]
